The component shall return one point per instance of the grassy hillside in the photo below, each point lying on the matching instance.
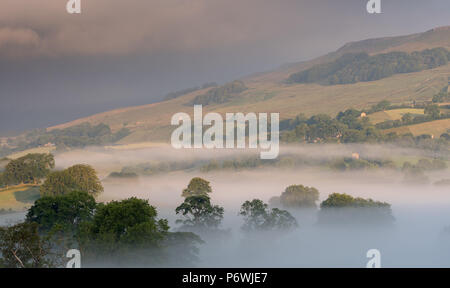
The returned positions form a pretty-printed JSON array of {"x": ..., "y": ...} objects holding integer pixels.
[{"x": 268, "y": 92}]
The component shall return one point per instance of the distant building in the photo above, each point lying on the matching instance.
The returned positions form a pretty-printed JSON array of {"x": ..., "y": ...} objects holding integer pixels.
[
  {"x": 355, "y": 156},
  {"x": 363, "y": 114},
  {"x": 48, "y": 145}
]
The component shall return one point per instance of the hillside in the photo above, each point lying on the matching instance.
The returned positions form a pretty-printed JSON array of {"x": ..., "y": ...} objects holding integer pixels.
[{"x": 268, "y": 92}]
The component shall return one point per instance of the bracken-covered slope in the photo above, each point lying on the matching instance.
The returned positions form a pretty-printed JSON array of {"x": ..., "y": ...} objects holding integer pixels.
[{"x": 268, "y": 92}]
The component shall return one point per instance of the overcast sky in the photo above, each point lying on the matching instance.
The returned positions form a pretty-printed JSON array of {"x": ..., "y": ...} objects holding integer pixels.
[{"x": 56, "y": 67}]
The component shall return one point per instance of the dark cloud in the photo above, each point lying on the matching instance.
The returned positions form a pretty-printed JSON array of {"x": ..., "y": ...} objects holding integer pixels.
[{"x": 56, "y": 67}]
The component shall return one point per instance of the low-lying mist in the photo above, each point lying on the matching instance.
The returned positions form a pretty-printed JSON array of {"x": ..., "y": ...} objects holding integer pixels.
[{"x": 416, "y": 239}]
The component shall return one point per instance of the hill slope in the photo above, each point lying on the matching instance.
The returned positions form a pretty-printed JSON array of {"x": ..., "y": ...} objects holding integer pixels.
[{"x": 267, "y": 92}]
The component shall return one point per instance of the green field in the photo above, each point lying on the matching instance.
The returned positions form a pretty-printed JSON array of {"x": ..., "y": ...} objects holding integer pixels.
[
  {"x": 434, "y": 128},
  {"x": 395, "y": 114},
  {"x": 18, "y": 197}
]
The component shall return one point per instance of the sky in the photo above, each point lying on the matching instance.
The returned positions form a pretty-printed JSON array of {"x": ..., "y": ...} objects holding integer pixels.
[{"x": 56, "y": 67}]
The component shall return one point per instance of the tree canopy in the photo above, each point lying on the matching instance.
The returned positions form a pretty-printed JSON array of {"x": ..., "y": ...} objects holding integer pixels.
[
  {"x": 80, "y": 135},
  {"x": 128, "y": 232},
  {"x": 196, "y": 187},
  {"x": 345, "y": 209},
  {"x": 123, "y": 233},
  {"x": 64, "y": 212},
  {"x": 199, "y": 213},
  {"x": 21, "y": 246},
  {"x": 258, "y": 217},
  {"x": 358, "y": 67},
  {"x": 299, "y": 196},
  {"x": 220, "y": 94},
  {"x": 28, "y": 169},
  {"x": 75, "y": 178},
  {"x": 131, "y": 222}
]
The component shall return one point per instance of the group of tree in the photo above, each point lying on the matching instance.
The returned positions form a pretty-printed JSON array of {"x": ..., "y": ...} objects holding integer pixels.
[
  {"x": 350, "y": 126},
  {"x": 431, "y": 112},
  {"x": 28, "y": 169},
  {"x": 349, "y": 164},
  {"x": 81, "y": 135},
  {"x": 443, "y": 96},
  {"x": 176, "y": 94},
  {"x": 79, "y": 177},
  {"x": 197, "y": 211},
  {"x": 201, "y": 216},
  {"x": 153, "y": 168},
  {"x": 297, "y": 196},
  {"x": 346, "y": 127},
  {"x": 259, "y": 217},
  {"x": 128, "y": 233},
  {"x": 415, "y": 173},
  {"x": 125, "y": 233},
  {"x": 78, "y": 136},
  {"x": 343, "y": 209},
  {"x": 360, "y": 67},
  {"x": 23, "y": 246},
  {"x": 426, "y": 164},
  {"x": 220, "y": 94},
  {"x": 337, "y": 209}
]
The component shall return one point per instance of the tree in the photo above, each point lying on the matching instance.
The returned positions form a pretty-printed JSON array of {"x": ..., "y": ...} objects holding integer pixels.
[
  {"x": 258, "y": 217},
  {"x": 29, "y": 169},
  {"x": 299, "y": 196},
  {"x": 128, "y": 233},
  {"x": 21, "y": 246},
  {"x": 199, "y": 213},
  {"x": 337, "y": 200},
  {"x": 76, "y": 178},
  {"x": 57, "y": 183},
  {"x": 197, "y": 186},
  {"x": 64, "y": 212},
  {"x": 357, "y": 67},
  {"x": 407, "y": 118},
  {"x": 2, "y": 181},
  {"x": 220, "y": 94},
  {"x": 345, "y": 209},
  {"x": 350, "y": 117},
  {"x": 121, "y": 226},
  {"x": 85, "y": 179},
  {"x": 432, "y": 111},
  {"x": 382, "y": 105}
]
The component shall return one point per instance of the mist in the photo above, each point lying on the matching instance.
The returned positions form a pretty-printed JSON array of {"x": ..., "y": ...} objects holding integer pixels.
[{"x": 417, "y": 238}]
